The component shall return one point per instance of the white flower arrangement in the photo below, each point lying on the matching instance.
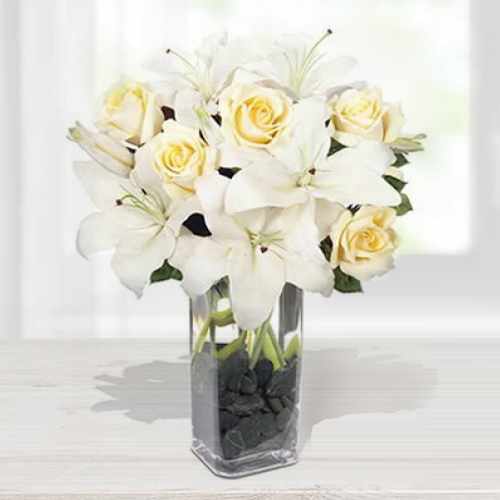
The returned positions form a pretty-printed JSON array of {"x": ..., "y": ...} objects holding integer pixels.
[{"x": 256, "y": 165}]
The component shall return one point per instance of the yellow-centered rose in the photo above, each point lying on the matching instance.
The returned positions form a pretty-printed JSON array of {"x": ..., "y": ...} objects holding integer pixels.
[
  {"x": 130, "y": 112},
  {"x": 362, "y": 114},
  {"x": 364, "y": 243},
  {"x": 254, "y": 116},
  {"x": 178, "y": 156}
]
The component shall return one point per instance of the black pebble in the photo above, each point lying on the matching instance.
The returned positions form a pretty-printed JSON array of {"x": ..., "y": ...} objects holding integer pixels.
[
  {"x": 226, "y": 399},
  {"x": 248, "y": 383},
  {"x": 266, "y": 409},
  {"x": 283, "y": 382},
  {"x": 275, "y": 405},
  {"x": 232, "y": 444},
  {"x": 282, "y": 419},
  {"x": 227, "y": 421},
  {"x": 232, "y": 370},
  {"x": 249, "y": 428},
  {"x": 264, "y": 371},
  {"x": 245, "y": 405},
  {"x": 268, "y": 427},
  {"x": 287, "y": 402}
]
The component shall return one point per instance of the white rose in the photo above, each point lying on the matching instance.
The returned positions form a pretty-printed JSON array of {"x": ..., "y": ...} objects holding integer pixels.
[
  {"x": 364, "y": 243},
  {"x": 131, "y": 112},
  {"x": 177, "y": 156},
  {"x": 254, "y": 116},
  {"x": 362, "y": 114}
]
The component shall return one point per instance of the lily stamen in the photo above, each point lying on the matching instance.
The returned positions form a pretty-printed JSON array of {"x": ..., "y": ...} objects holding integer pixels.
[
  {"x": 308, "y": 62},
  {"x": 149, "y": 204}
]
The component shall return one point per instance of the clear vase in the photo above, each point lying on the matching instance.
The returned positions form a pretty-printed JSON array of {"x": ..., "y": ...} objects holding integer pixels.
[{"x": 245, "y": 384}]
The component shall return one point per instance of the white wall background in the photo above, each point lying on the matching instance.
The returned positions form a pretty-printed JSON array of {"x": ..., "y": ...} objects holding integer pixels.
[{"x": 437, "y": 56}]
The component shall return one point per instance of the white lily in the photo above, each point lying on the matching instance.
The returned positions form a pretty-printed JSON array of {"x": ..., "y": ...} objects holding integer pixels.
[
  {"x": 297, "y": 66},
  {"x": 302, "y": 171},
  {"x": 141, "y": 226},
  {"x": 106, "y": 151},
  {"x": 193, "y": 82},
  {"x": 259, "y": 251}
]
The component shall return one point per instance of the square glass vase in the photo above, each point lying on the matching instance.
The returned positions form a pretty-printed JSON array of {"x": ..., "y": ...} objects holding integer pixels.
[{"x": 245, "y": 384}]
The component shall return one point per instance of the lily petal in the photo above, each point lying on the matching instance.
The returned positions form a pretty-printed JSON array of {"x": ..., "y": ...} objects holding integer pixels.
[
  {"x": 143, "y": 172},
  {"x": 186, "y": 102},
  {"x": 109, "y": 153},
  {"x": 354, "y": 176},
  {"x": 313, "y": 275},
  {"x": 202, "y": 262},
  {"x": 139, "y": 253},
  {"x": 97, "y": 233},
  {"x": 181, "y": 211},
  {"x": 326, "y": 213},
  {"x": 102, "y": 231},
  {"x": 261, "y": 185},
  {"x": 231, "y": 156},
  {"x": 256, "y": 280},
  {"x": 310, "y": 140},
  {"x": 102, "y": 186},
  {"x": 211, "y": 191},
  {"x": 328, "y": 74}
]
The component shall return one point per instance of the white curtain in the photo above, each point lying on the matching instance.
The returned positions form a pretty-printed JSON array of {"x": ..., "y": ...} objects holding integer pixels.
[{"x": 57, "y": 56}]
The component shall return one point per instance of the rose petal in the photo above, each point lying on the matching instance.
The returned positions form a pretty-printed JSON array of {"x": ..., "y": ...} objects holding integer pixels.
[{"x": 394, "y": 121}]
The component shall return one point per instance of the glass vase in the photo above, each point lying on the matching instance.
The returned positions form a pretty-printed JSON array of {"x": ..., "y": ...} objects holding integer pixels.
[{"x": 245, "y": 384}]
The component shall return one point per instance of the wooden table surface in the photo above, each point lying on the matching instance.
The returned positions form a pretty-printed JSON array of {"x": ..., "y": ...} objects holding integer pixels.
[{"x": 381, "y": 419}]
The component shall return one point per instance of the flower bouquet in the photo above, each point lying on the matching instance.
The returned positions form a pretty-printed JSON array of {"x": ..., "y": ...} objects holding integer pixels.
[{"x": 250, "y": 173}]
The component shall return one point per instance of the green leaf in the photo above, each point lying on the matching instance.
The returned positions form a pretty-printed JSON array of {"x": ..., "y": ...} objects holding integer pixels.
[
  {"x": 404, "y": 207},
  {"x": 277, "y": 349},
  {"x": 401, "y": 160},
  {"x": 257, "y": 345},
  {"x": 409, "y": 144},
  {"x": 326, "y": 247},
  {"x": 231, "y": 348},
  {"x": 345, "y": 283},
  {"x": 335, "y": 146},
  {"x": 397, "y": 184},
  {"x": 166, "y": 272},
  {"x": 222, "y": 318},
  {"x": 269, "y": 351},
  {"x": 293, "y": 348}
]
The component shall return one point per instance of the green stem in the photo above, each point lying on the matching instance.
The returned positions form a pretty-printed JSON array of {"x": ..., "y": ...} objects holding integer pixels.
[
  {"x": 250, "y": 341},
  {"x": 223, "y": 318},
  {"x": 259, "y": 340},
  {"x": 231, "y": 348},
  {"x": 293, "y": 348},
  {"x": 276, "y": 347},
  {"x": 216, "y": 319},
  {"x": 202, "y": 336}
]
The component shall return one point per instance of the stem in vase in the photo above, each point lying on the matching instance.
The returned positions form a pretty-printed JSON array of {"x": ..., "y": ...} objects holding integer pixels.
[
  {"x": 280, "y": 360},
  {"x": 202, "y": 337},
  {"x": 259, "y": 340}
]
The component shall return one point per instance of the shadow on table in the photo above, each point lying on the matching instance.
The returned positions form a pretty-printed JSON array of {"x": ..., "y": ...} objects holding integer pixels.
[{"x": 336, "y": 382}]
